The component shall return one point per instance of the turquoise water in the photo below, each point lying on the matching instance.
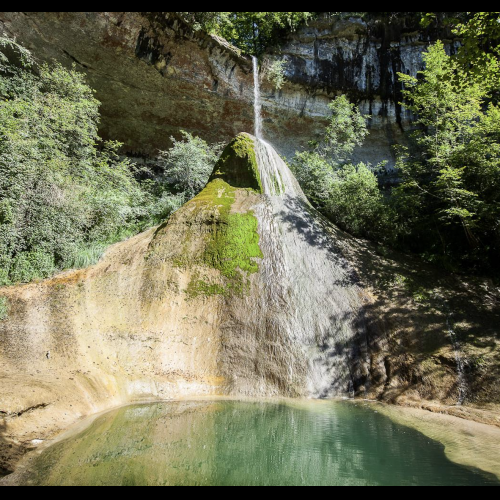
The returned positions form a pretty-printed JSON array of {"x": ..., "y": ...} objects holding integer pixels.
[{"x": 249, "y": 443}]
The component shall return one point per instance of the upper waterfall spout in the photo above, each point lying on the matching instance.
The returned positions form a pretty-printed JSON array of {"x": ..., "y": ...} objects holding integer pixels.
[{"x": 256, "y": 100}]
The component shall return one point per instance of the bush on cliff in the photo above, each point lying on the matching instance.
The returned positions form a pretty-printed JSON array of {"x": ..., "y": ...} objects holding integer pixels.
[{"x": 346, "y": 193}]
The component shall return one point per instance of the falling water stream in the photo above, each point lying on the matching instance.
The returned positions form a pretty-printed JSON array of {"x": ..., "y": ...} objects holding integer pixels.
[
  {"x": 309, "y": 298},
  {"x": 256, "y": 99},
  {"x": 461, "y": 382}
]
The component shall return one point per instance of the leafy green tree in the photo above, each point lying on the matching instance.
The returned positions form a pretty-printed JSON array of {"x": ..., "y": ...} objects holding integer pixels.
[
  {"x": 315, "y": 175},
  {"x": 348, "y": 194},
  {"x": 347, "y": 129},
  {"x": 355, "y": 202},
  {"x": 251, "y": 32},
  {"x": 450, "y": 178},
  {"x": 63, "y": 193},
  {"x": 480, "y": 51},
  {"x": 189, "y": 163},
  {"x": 479, "y": 36},
  {"x": 275, "y": 73}
]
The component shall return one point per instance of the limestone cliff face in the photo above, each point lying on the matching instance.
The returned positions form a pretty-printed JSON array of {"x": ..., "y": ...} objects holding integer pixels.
[
  {"x": 155, "y": 76},
  {"x": 358, "y": 56},
  {"x": 152, "y": 74}
]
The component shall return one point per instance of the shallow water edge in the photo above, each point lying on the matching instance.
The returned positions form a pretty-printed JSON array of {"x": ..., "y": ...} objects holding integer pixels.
[{"x": 466, "y": 443}]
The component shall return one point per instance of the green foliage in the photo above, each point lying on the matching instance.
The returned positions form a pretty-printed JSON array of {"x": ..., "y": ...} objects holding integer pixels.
[
  {"x": 28, "y": 266},
  {"x": 251, "y": 32},
  {"x": 347, "y": 129},
  {"x": 232, "y": 245},
  {"x": 10, "y": 48},
  {"x": 348, "y": 194},
  {"x": 355, "y": 202},
  {"x": 315, "y": 175},
  {"x": 238, "y": 164},
  {"x": 480, "y": 51},
  {"x": 189, "y": 163},
  {"x": 448, "y": 202},
  {"x": 86, "y": 255},
  {"x": 4, "y": 308},
  {"x": 64, "y": 195},
  {"x": 275, "y": 73}
]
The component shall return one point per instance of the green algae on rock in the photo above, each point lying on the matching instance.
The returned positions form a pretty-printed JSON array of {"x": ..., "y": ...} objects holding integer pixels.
[
  {"x": 3, "y": 308},
  {"x": 230, "y": 240},
  {"x": 238, "y": 164}
]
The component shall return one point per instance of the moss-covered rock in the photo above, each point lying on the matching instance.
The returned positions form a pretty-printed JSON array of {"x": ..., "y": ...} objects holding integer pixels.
[
  {"x": 231, "y": 241},
  {"x": 232, "y": 244},
  {"x": 216, "y": 230},
  {"x": 238, "y": 164}
]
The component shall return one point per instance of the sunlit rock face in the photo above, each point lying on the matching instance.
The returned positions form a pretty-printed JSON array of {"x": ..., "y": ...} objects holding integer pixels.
[
  {"x": 243, "y": 291},
  {"x": 155, "y": 76}
]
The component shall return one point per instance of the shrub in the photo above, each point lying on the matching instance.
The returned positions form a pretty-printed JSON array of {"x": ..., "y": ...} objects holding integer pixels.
[{"x": 189, "y": 163}]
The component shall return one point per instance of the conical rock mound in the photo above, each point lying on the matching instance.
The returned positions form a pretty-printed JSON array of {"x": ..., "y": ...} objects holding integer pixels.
[{"x": 242, "y": 291}]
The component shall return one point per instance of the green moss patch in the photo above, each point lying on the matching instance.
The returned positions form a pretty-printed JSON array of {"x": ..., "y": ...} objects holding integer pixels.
[
  {"x": 217, "y": 194},
  {"x": 238, "y": 164},
  {"x": 231, "y": 240},
  {"x": 205, "y": 287},
  {"x": 232, "y": 244}
]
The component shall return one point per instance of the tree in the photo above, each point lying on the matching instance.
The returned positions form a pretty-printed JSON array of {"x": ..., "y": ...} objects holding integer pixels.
[
  {"x": 64, "y": 194},
  {"x": 451, "y": 176},
  {"x": 479, "y": 50},
  {"x": 251, "y": 32},
  {"x": 355, "y": 202},
  {"x": 346, "y": 193},
  {"x": 189, "y": 163}
]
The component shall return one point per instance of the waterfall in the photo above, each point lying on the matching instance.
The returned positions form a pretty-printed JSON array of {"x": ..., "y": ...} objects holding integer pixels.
[
  {"x": 276, "y": 177},
  {"x": 256, "y": 100},
  {"x": 309, "y": 296},
  {"x": 277, "y": 180},
  {"x": 301, "y": 326}
]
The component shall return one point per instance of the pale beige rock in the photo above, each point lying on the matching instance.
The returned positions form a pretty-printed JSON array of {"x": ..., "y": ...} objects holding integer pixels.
[{"x": 323, "y": 315}]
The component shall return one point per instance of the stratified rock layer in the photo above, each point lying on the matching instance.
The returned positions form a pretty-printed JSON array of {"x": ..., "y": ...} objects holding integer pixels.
[{"x": 155, "y": 76}]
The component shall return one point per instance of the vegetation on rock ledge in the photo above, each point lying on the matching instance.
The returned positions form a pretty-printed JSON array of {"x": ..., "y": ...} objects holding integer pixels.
[
  {"x": 251, "y": 32},
  {"x": 238, "y": 164},
  {"x": 3, "y": 308},
  {"x": 232, "y": 244},
  {"x": 65, "y": 195}
]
